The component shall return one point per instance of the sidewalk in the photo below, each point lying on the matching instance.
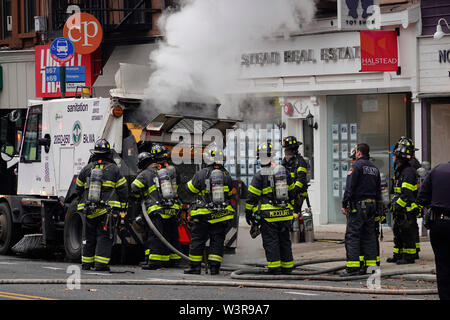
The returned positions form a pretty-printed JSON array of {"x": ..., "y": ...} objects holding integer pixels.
[{"x": 251, "y": 251}]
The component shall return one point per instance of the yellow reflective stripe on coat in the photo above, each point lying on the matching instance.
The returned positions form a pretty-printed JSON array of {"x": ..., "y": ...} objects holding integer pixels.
[
  {"x": 80, "y": 206},
  {"x": 109, "y": 184},
  {"x": 115, "y": 204},
  {"x": 285, "y": 218},
  {"x": 249, "y": 206},
  {"x": 225, "y": 218},
  {"x": 121, "y": 182},
  {"x": 80, "y": 183},
  {"x": 96, "y": 213},
  {"x": 298, "y": 184},
  {"x": 138, "y": 184},
  {"x": 412, "y": 207},
  {"x": 200, "y": 211},
  {"x": 303, "y": 169},
  {"x": 267, "y": 190},
  {"x": 400, "y": 202},
  {"x": 254, "y": 190},
  {"x": 191, "y": 187},
  {"x": 398, "y": 190},
  {"x": 151, "y": 189},
  {"x": 409, "y": 186}
]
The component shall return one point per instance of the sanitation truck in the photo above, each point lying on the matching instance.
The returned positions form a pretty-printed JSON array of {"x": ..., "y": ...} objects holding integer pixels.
[{"x": 46, "y": 152}]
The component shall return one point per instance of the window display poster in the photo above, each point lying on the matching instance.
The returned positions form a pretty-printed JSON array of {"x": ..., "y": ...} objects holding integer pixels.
[
  {"x": 344, "y": 150},
  {"x": 335, "y": 169},
  {"x": 343, "y": 188},
  {"x": 336, "y": 188},
  {"x": 344, "y": 169},
  {"x": 344, "y": 131},
  {"x": 335, "y": 151},
  {"x": 335, "y": 132},
  {"x": 353, "y": 131}
]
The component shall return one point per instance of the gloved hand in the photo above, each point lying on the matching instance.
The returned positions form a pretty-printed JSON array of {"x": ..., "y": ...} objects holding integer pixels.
[{"x": 249, "y": 217}]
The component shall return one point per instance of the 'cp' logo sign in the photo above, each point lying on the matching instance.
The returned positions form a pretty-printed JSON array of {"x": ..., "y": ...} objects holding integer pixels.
[{"x": 85, "y": 32}]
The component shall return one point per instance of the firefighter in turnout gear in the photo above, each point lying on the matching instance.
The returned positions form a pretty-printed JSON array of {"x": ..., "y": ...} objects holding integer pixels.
[
  {"x": 269, "y": 205},
  {"x": 103, "y": 192},
  {"x": 297, "y": 168},
  {"x": 361, "y": 204},
  {"x": 403, "y": 204},
  {"x": 157, "y": 185},
  {"x": 212, "y": 213}
]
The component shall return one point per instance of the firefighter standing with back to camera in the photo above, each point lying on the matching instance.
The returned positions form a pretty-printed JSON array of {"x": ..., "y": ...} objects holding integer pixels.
[
  {"x": 100, "y": 185},
  {"x": 434, "y": 194},
  {"x": 269, "y": 205},
  {"x": 212, "y": 212},
  {"x": 296, "y": 167},
  {"x": 361, "y": 204},
  {"x": 403, "y": 204},
  {"x": 157, "y": 185}
]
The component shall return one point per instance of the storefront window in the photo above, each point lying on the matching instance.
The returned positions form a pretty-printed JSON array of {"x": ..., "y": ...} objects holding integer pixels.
[{"x": 376, "y": 119}]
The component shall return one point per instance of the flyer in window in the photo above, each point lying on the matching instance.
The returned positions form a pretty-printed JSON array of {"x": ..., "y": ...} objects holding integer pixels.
[
  {"x": 344, "y": 132},
  {"x": 335, "y": 169},
  {"x": 335, "y": 132},
  {"x": 344, "y": 150},
  {"x": 335, "y": 151},
  {"x": 336, "y": 188},
  {"x": 343, "y": 188},
  {"x": 353, "y": 131},
  {"x": 344, "y": 169}
]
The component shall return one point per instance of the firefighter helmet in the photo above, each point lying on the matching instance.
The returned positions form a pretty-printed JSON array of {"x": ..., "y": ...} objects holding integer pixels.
[
  {"x": 101, "y": 146},
  {"x": 144, "y": 159},
  {"x": 404, "y": 148},
  {"x": 264, "y": 153},
  {"x": 213, "y": 154},
  {"x": 159, "y": 152},
  {"x": 291, "y": 142}
]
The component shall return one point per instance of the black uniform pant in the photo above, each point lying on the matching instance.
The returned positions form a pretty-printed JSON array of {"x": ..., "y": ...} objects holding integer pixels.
[
  {"x": 201, "y": 231},
  {"x": 97, "y": 244},
  {"x": 405, "y": 234},
  {"x": 360, "y": 236},
  {"x": 158, "y": 253},
  {"x": 440, "y": 242},
  {"x": 277, "y": 244}
]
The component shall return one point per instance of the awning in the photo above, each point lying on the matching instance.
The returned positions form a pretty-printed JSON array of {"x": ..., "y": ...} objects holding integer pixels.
[
  {"x": 134, "y": 59},
  {"x": 433, "y": 95}
]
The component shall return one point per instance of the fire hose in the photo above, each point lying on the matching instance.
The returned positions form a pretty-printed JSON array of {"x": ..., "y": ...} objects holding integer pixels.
[{"x": 258, "y": 274}]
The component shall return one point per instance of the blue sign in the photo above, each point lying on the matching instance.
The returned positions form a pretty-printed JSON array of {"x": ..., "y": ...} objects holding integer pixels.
[
  {"x": 52, "y": 74},
  {"x": 75, "y": 74},
  {"x": 62, "y": 49}
]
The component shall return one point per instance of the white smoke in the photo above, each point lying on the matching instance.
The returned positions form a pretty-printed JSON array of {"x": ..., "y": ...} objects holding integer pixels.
[{"x": 204, "y": 40}]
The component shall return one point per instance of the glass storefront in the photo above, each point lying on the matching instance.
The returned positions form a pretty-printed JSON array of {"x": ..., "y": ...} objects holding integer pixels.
[{"x": 376, "y": 119}]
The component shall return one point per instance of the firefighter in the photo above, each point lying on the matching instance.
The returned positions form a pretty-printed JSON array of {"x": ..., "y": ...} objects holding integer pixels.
[
  {"x": 212, "y": 213},
  {"x": 434, "y": 195},
  {"x": 416, "y": 165},
  {"x": 103, "y": 192},
  {"x": 155, "y": 186},
  {"x": 403, "y": 204},
  {"x": 297, "y": 168},
  {"x": 268, "y": 205},
  {"x": 361, "y": 204}
]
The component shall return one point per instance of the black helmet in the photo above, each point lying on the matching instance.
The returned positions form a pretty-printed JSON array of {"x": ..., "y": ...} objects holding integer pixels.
[
  {"x": 213, "y": 154},
  {"x": 404, "y": 148},
  {"x": 159, "y": 152},
  {"x": 144, "y": 159},
  {"x": 101, "y": 146},
  {"x": 264, "y": 150},
  {"x": 352, "y": 154},
  {"x": 291, "y": 142}
]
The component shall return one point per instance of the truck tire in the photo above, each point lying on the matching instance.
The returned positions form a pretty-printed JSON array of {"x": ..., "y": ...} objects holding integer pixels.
[
  {"x": 73, "y": 228},
  {"x": 8, "y": 231}
]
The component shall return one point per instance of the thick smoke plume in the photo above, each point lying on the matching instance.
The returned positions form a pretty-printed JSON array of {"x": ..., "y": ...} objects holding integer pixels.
[{"x": 204, "y": 40}]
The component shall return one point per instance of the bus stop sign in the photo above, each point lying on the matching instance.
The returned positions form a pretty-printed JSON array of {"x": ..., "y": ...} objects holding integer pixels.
[{"x": 62, "y": 50}]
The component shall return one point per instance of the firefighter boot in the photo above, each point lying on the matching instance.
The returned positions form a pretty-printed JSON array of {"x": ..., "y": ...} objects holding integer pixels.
[
  {"x": 151, "y": 266},
  {"x": 350, "y": 272},
  {"x": 406, "y": 259},
  {"x": 274, "y": 271},
  {"x": 214, "y": 269},
  {"x": 87, "y": 266},
  {"x": 101, "y": 267},
  {"x": 394, "y": 258},
  {"x": 193, "y": 269}
]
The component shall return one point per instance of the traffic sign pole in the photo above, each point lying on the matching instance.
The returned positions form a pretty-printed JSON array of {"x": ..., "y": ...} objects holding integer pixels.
[{"x": 62, "y": 77}]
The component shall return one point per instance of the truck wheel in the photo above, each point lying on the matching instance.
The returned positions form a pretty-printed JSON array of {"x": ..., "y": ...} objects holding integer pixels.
[
  {"x": 8, "y": 232},
  {"x": 73, "y": 228}
]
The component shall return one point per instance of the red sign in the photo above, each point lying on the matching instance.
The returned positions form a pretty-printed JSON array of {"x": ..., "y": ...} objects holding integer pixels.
[
  {"x": 43, "y": 59},
  {"x": 85, "y": 31},
  {"x": 379, "y": 51}
]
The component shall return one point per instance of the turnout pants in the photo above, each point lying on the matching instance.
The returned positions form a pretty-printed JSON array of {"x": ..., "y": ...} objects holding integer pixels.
[
  {"x": 97, "y": 245},
  {"x": 202, "y": 230},
  {"x": 405, "y": 234},
  {"x": 440, "y": 242},
  {"x": 360, "y": 237},
  {"x": 277, "y": 244},
  {"x": 158, "y": 253}
]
